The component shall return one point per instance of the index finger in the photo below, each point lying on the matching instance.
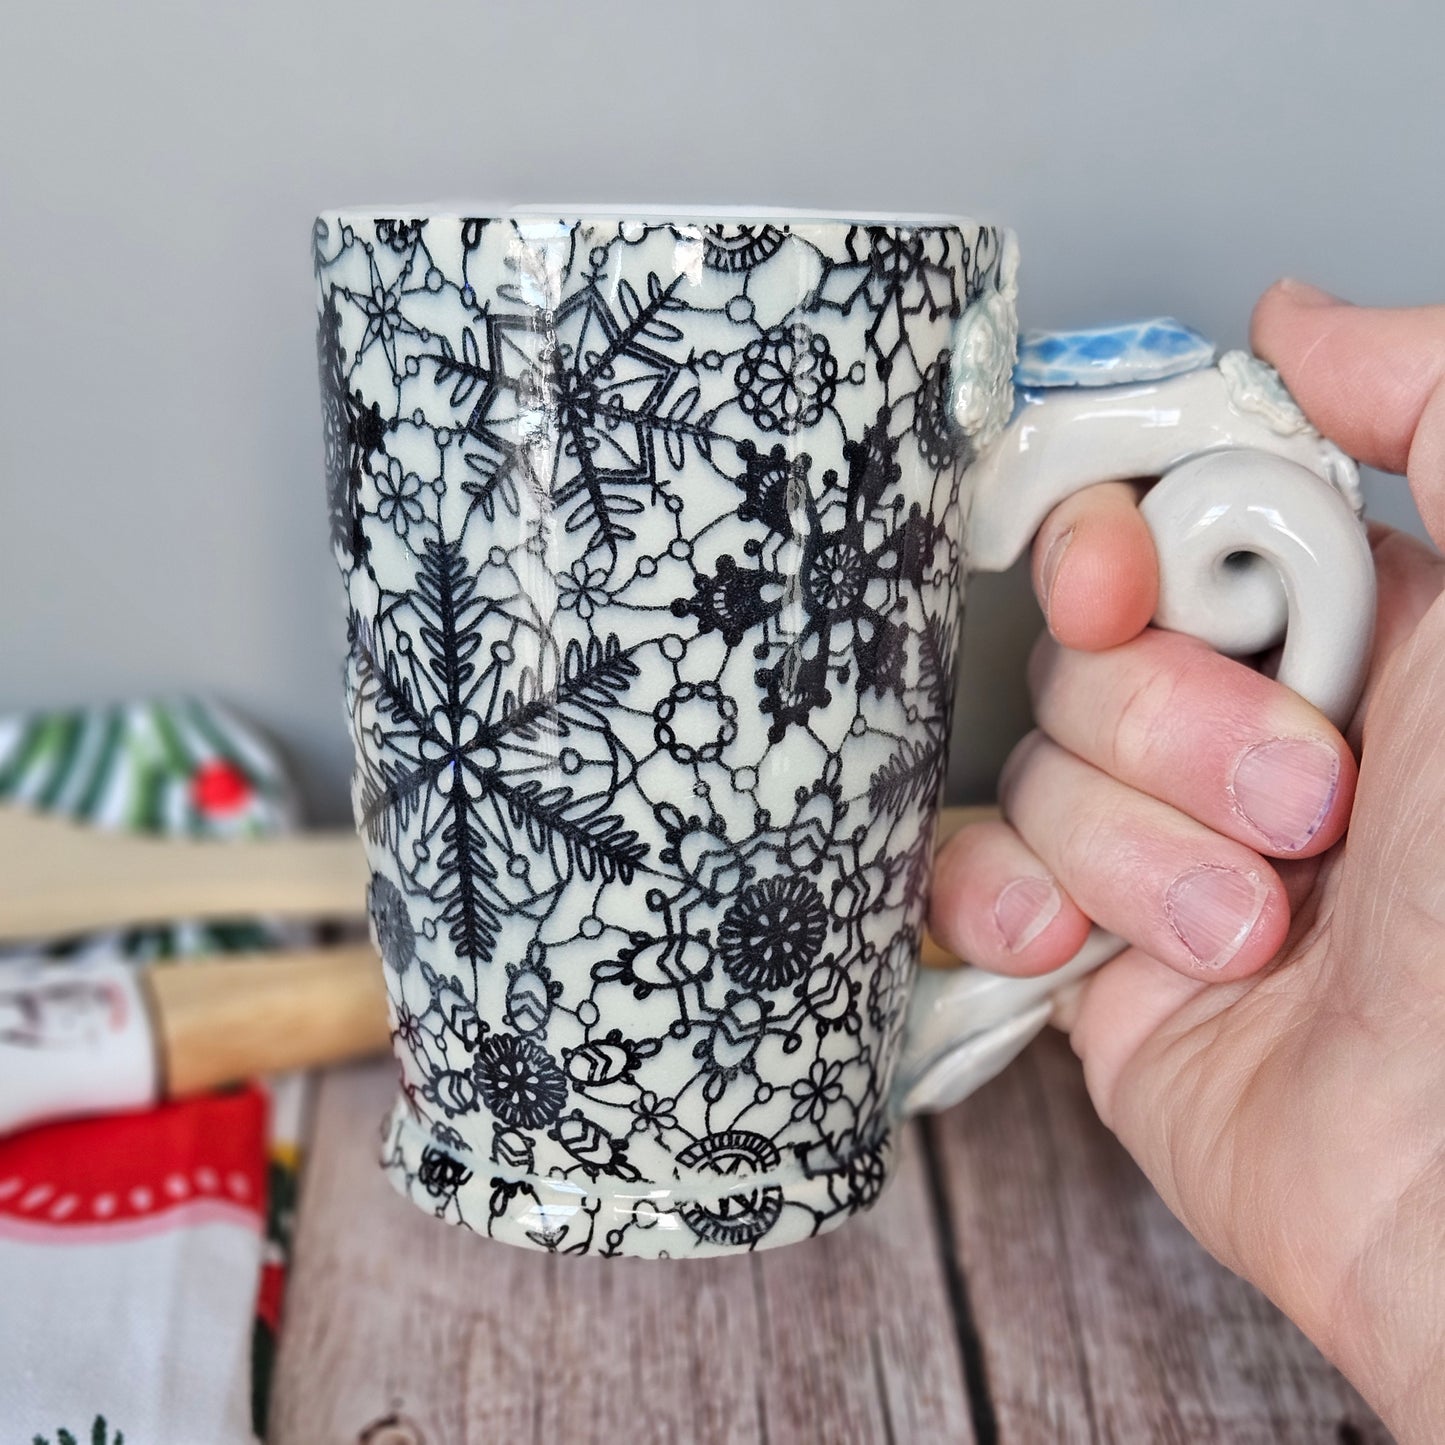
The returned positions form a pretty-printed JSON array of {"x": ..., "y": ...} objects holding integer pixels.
[{"x": 1095, "y": 571}]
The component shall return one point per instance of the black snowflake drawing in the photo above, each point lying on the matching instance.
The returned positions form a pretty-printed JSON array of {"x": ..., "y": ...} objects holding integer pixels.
[
  {"x": 573, "y": 404},
  {"x": 460, "y": 764},
  {"x": 650, "y": 534},
  {"x": 844, "y": 552},
  {"x": 893, "y": 278}
]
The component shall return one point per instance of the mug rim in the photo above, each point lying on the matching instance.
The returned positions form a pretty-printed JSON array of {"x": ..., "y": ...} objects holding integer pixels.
[{"x": 649, "y": 213}]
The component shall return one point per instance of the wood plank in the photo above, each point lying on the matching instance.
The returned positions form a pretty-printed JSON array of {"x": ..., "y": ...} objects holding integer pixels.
[
  {"x": 1100, "y": 1319},
  {"x": 848, "y": 1338}
]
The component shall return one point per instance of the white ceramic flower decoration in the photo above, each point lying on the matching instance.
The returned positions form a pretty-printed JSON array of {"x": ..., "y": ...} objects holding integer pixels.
[
  {"x": 1254, "y": 386},
  {"x": 984, "y": 352}
]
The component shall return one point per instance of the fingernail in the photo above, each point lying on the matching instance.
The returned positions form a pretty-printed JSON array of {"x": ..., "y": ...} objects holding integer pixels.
[
  {"x": 1308, "y": 295},
  {"x": 1052, "y": 558},
  {"x": 1024, "y": 909},
  {"x": 1285, "y": 788},
  {"x": 1213, "y": 911}
]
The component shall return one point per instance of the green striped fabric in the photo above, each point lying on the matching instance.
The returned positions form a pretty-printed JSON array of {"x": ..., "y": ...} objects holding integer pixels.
[{"x": 133, "y": 766}]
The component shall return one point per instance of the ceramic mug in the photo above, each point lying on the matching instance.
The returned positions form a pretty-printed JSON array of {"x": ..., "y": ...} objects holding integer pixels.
[{"x": 654, "y": 532}]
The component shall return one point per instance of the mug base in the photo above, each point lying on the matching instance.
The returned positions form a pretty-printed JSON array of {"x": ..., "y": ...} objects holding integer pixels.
[{"x": 616, "y": 1218}]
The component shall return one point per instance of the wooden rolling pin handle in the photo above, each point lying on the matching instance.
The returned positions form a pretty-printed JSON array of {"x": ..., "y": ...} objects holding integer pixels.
[{"x": 219, "y": 1023}]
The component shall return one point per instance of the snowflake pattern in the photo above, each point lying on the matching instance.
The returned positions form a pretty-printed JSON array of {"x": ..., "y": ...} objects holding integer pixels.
[
  {"x": 847, "y": 556},
  {"x": 650, "y": 535}
]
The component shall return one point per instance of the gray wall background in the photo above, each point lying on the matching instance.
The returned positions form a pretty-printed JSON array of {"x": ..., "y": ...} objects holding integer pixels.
[{"x": 161, "y": 518}]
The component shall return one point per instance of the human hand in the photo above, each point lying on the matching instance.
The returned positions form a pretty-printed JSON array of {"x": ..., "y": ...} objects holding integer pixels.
[{"x": 1271, "y": 1048}]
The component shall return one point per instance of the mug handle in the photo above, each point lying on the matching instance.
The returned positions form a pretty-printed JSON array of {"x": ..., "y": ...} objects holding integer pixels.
[{"x": 1256, "y": 520}]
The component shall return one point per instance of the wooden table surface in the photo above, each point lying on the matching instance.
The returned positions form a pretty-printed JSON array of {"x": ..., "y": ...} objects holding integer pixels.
[{"x": 1019, "y": 1282}]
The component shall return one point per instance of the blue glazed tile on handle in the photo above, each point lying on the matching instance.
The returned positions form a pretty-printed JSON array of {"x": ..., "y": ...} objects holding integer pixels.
[{"x": 1110, "y": 355}]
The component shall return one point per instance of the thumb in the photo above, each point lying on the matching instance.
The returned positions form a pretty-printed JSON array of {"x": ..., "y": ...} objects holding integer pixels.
[{"x": 1372, "y": 380}]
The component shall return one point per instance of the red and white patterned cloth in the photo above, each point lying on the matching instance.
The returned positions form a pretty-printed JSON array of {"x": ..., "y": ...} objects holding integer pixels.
[{"x": 131, "y": 1248}]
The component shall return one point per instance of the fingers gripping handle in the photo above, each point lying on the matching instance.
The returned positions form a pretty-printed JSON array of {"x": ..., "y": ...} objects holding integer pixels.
[
  {"x": 1255, "y": 524},
  {"x": 1253, "y": 549},
  {"x": 965, "y": 1024}
]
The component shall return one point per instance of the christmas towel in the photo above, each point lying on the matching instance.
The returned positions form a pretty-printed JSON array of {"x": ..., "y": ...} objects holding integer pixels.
[{"x": 143, "y": 1255}]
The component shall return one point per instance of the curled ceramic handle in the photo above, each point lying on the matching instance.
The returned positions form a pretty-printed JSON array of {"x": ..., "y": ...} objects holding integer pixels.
[{"x": 1255, "y": 520}]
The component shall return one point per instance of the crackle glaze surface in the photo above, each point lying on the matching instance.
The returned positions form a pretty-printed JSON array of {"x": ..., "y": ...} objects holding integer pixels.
[{"x": 651, "y": 538}]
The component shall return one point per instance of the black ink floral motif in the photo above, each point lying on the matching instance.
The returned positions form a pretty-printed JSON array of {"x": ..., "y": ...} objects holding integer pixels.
[
  {"x": 395, "y": 936},
  {"x": 650, "y": 534},
  {"x": 696, "y": 722},
  {"x": 818, "y": 1090},
  {"x": 653, "y": 1114},
  {"x": 582, "y": 588},
  {"x": 787, "y": 378},
  {"x": 519, "y": 1081},
  {"x": 867, "y": 1173},
  {"x": 772, "y": 932},
  {"x": 399, "y": 492}
]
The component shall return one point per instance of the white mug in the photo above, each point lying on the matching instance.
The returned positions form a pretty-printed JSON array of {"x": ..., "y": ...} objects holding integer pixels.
[{"x": 654, "y": 531}]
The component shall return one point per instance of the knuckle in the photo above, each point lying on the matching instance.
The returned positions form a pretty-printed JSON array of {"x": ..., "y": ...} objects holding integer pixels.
[
  {"x": 1090, "y": 835},
  {"x": 1143, "y": 729},
  {"x": 1016, "y": 766},
  {"x": 1136, "y": 731}
]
